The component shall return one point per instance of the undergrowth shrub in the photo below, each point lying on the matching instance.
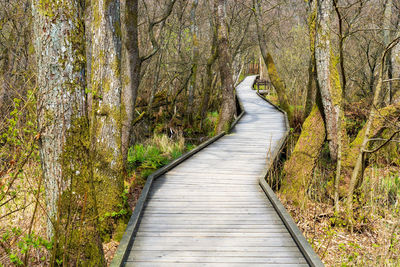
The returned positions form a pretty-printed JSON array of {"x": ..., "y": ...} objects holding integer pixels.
[{"x": 155, "y": 153}]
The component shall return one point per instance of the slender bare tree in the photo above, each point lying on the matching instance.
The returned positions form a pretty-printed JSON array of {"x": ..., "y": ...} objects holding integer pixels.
[{"x": 228, "y": 106}]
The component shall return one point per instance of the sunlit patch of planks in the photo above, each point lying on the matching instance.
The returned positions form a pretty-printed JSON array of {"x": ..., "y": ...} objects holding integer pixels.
[{"x": 210, "y": 209}]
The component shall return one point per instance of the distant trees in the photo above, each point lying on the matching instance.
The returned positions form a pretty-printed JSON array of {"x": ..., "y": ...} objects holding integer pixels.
[{"x": 273, "y": 75}]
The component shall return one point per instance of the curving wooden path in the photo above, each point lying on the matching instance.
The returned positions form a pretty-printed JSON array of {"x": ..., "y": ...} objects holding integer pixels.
[{"x": 211, "y": 211}]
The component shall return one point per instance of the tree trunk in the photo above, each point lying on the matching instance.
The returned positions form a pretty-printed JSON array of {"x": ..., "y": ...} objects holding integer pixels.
[
  {"x": 155, "y": 84},
  {"x": 209, "y": 74},
  {"x": 378, "y": 123},
  {"x": 387, "y": 18},
  {"x": 132, "y": 64},
  {"x": 195, "y": 59},
  {"x": 64, "y": 140},
  {"x": 327, "y": 80},
  {"x": 228, "y": 106},
  {"x": 364, "y": 136},
  {"x": 3, "y": 81},
  {"x": 88, "y": 36},
  {"x": 395, "y": 93},
  {"x": 299, "y": 169},
  {"x": 395, "y": 63},
  {"x": 106, "y": 110},
  {"x": 312, "y": 74},
  {"x": 276, "y": 81}
]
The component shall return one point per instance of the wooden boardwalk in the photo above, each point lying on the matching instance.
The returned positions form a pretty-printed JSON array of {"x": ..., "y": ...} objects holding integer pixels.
[{"x": 210, "y": 210}]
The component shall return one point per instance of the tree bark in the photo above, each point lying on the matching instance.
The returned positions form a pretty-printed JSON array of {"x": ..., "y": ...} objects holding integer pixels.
[
  {"x": 195, "y": 59},
  {"x": 312, "y": 74},
  {"x": 3, "y": 80},
  {"x": 132, "y": 64},
  {"x": 209, "y": 74},
  {"x": 299, "y": 169},
  {"x": 228, "y": 106},
  {"x": 276, "y": 81},
  {"x": 155, "y": 83},
  {"x": 64, "y": 133},
  {"x": 364, "y": 134},
  {"x": 328, "y": 82},
  {"x": 387, "y": 18},
  {"x": 88, "y": 36},
  {"x": 107, "y": 111}
]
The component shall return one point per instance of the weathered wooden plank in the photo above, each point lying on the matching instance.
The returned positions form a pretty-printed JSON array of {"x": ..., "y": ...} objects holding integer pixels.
[
  {"x": 202, "y": 264},
  {"x": 162, "y": 253},
  {"x": 215, "y": 241},
  {"x": 218, "y": 259},
  {"x": 158, "y": 220}
]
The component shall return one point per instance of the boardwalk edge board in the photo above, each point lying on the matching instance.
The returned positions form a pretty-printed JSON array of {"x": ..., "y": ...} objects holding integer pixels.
[
  {"x": 127, "y": 239},
  {"x": 305, "y": 247}
]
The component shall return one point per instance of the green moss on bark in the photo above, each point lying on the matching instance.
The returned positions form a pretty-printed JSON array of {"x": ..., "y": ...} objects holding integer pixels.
[
  {"x": 78, "y": 240},
  {"x": 298, "y": 170}
]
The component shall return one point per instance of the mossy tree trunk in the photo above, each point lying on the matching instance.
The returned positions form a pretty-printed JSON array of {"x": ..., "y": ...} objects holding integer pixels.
[
  {"x": 88, "y": 14},
  {"x": 228, "y": 105},
  {"x": 64, "y": 127},
  {"x": 312, "y": 74},
  {"x": 328, "y": 82},
  {"x": 299, "y": 169},
  {"x": 106, "y": 115},
  {"x": 364, "y": 135},
  {"x": 132, "y": 64},
  {"x": 276, "y": 81}
]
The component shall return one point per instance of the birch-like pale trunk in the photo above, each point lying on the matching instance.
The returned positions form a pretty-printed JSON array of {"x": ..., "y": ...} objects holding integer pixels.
[
  {"x": 228, "y": 106},
  {"x": 106, "y": 109},
  {"x": 64, "y": 133},
  {"x": 323, "y": 55}
]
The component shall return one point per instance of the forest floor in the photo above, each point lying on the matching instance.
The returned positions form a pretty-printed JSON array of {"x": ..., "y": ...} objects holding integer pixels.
[
  {"x": 372, "y": 244},
  {"x": 375, "y": 239}
]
